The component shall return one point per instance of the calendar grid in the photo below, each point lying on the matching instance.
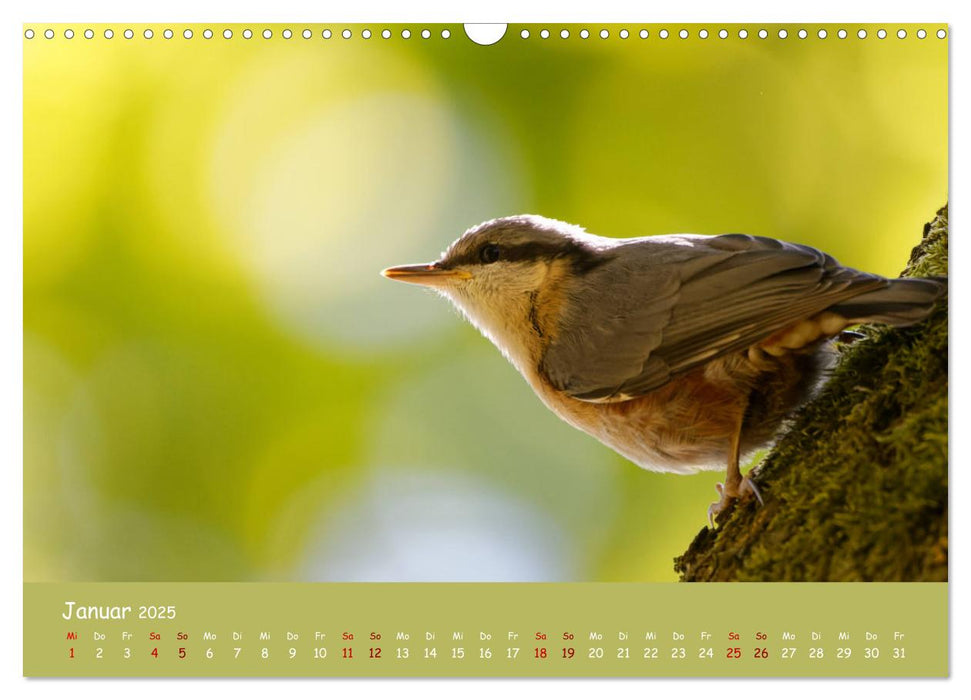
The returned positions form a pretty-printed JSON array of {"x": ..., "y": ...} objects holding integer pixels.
[{"x": 478, "y": 630}]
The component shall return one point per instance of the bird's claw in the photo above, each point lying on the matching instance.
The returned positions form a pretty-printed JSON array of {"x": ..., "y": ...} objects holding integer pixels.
[
  {"x": 718, "y": 506},
  {"x": 745, "y": 488},
  {"x": 748, "y": 487}
]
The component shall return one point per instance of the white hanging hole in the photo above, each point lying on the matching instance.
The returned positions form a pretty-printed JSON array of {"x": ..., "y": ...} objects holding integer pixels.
[
  {"x": 882, "y": 34},
  {"x": 683, "y": 34},
  {"x": 207, "y": 34},
  {"x": 624, "y": 33},
  {"x": 743, "y": 34},
  {"x": 267, "y": 33},
  {"x": 287, "y": 34},
  {"x": 901, "y": 33},
  {"x": 346, "y": 33},
  {"x": 821, "y": 34},
  {"x": 703, "y": 33},
  {"x": 129, "y": 34},
  {"x": 425, "y": 34},
  {"x": 564, "y": 34},
  {"x": 247, "y": 33},
  {"x": 763, "y": 34},
  {"x": 227, "y": 33},
  {"x": 861, "y": 33},
  {"x": 148, "y": 34},
  {"x": 663, "y": 33},
  {"x": 841, "y": 33},
  {"x": 109, "y": 34},
  {"x": 524, "y": 34},
  {"x": 30, "y": 33},
  {"x": 584, "y": 34},
  {"x": 643, "y": 34},
  {"x": 803, "y": 33},
  {"x": 485, "y": 34},
  {"x": 89, "y": 34},
  {"x": 921, "y": 34},
  {"x": 545, "y": 34},
  {"x": 604, "y": 33},
  {"x": 783, "y": 33},
  {"x": 723, "y": 34},
  {"x": 69, "y": 33},
  {"x": 366, "y": 34},
  {"x": 306, "y": 33},
  {"x": 446, "y": 34},
  {"x": 941, "y": 33},
  {"x": 326, "y": 34},
  {"x": 405, "y": 33},
  {"x": 386, "y": 34},
  {"x": 49, "y": 33}
]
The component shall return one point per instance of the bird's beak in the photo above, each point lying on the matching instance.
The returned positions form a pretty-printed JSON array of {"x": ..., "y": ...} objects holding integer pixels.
[{"x": 429, "y": 274}]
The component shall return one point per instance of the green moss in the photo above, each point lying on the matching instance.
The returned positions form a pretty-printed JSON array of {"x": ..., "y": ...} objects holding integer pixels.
[{"x": 856, "y": 489}]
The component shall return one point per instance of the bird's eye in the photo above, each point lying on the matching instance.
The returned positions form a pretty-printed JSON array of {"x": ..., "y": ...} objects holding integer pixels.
[{"x": 489, "y": 253}]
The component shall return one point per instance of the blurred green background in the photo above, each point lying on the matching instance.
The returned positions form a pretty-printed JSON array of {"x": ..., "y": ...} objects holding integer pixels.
[{"x": 219, "y": 386}]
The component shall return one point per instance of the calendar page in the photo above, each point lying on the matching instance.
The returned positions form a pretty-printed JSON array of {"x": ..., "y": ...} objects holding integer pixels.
[{"x": 519, "y": 350}]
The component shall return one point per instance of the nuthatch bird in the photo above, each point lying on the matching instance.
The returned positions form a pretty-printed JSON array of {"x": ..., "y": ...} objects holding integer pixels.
[{"x": 681, "y": 352}]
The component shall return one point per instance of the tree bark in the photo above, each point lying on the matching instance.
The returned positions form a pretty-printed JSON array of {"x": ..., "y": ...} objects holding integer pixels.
[{"x": 856, "y": 488}]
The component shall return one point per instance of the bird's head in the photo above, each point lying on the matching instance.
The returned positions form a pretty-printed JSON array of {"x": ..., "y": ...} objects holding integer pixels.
[{"x": 505, "y": 274}]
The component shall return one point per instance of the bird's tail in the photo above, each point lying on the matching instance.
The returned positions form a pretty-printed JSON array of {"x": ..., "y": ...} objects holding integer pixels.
[{"x": 903, "y": 302}]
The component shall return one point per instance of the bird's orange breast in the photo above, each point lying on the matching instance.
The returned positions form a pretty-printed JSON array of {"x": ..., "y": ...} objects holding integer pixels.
[{"x": 688, "y": 424}]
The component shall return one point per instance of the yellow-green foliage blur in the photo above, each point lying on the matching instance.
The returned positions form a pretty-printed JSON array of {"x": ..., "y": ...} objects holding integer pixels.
[{"x": 218, "y": 385}]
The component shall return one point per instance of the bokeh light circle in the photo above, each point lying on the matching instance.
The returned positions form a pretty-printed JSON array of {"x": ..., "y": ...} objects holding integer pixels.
[{"x": 326, "y": 203}]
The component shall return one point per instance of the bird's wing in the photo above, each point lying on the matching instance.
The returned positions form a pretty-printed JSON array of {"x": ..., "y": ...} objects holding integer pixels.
[{"x": 661, "y": 306}]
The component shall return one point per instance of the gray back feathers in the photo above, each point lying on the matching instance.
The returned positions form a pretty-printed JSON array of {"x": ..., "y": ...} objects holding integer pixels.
[{"x": 663, "y": 305}]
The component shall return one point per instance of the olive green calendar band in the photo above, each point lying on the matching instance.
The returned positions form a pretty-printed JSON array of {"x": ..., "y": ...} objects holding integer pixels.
[{"x": 485, "y": 630}]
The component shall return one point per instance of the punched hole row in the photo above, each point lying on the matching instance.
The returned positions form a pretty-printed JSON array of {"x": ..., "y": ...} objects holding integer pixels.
[
  {"x": 724, "y": 34},
  {"x": 446, "y": 34},
  {"x": 245, "y": 34}
]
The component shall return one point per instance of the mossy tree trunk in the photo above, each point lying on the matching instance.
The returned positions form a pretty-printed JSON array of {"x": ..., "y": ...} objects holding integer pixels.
[{"x": 856, "y": 488}]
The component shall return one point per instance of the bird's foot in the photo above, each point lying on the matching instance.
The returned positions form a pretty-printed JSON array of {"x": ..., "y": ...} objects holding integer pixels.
[
  {"x": 744, "y": 489},
  {"x": 719, "y": 505},
  {"x": 748, "y": 488}
]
